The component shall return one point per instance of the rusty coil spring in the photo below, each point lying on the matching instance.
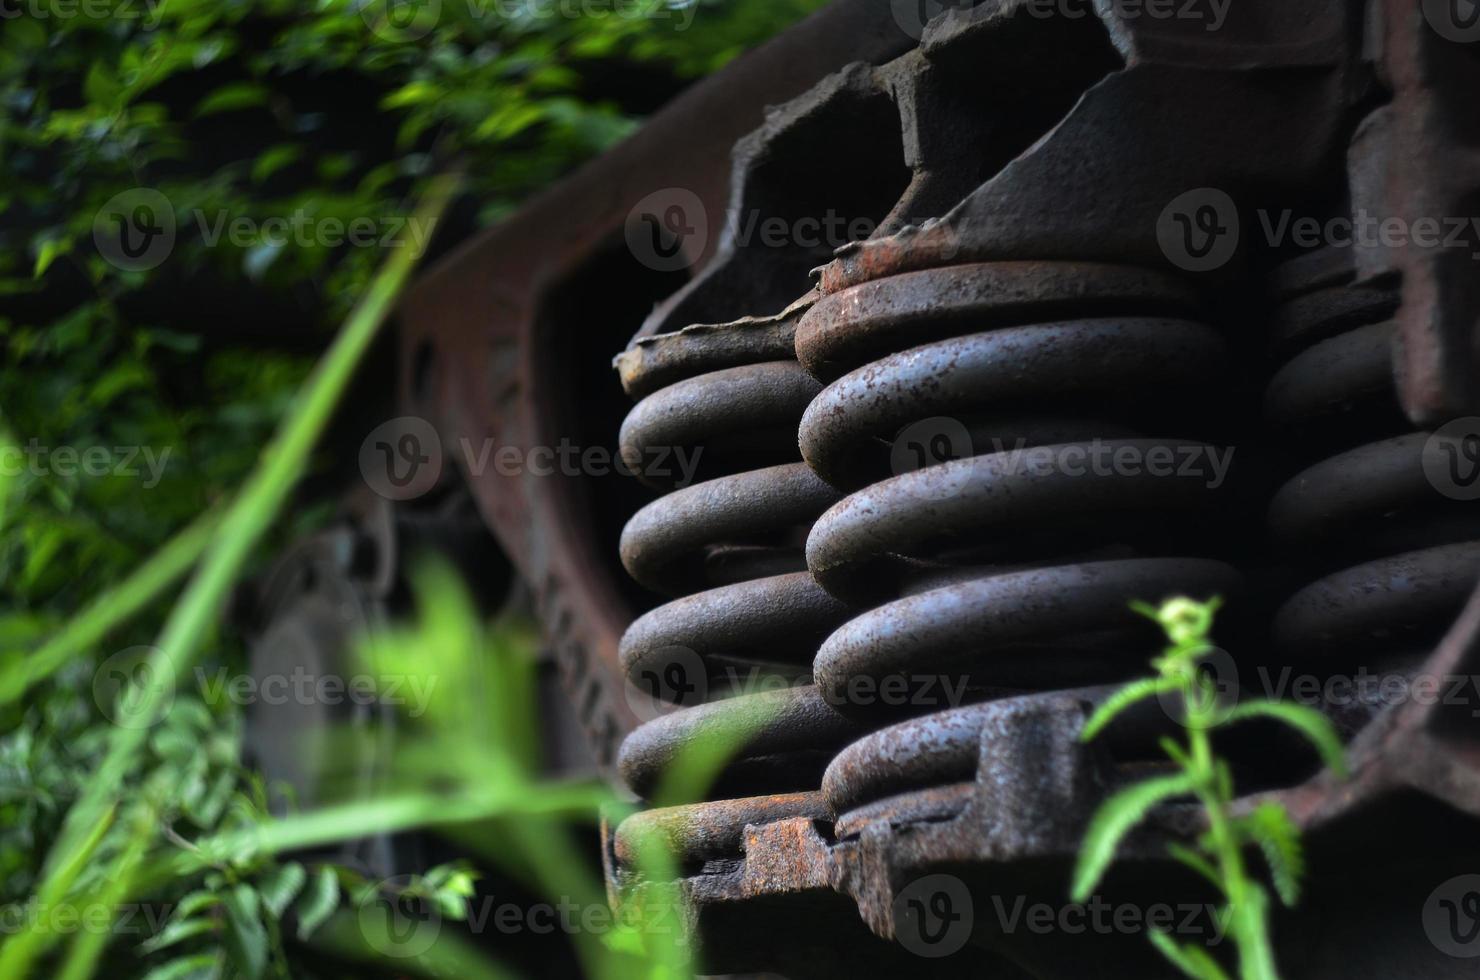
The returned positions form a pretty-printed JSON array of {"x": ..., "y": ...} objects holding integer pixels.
[
  {"x": 1400, "y": 556},
  {"x": 996, "y": 574},
  {"x": 729, "y": 548}
]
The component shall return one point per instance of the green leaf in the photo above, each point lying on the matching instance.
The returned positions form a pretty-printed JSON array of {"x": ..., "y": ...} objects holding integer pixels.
[
  {"x": 246, "y": 938},
  {"x": 1190, "y": 958},
  {"x": 1122, "y": 699},
  {"x": 49, "y": 252},
  {"x": 281, "y": 885},
  {"x": 1277, "y": 836},
  {"x": 318, "y": 902},
  {"x": 1113, "y": 821},
  {"x": 272, "y": 160},
  {"x": 195, "y": 902},
  {"x": 100, "y": 86},
  {"x": 1309, "y": 722},
  {"x": 229, "y": 98},
  {"x": 177, "y": 932},
  {"x": 1196, "y": 862},
  {"x": 198, "y": 967}
]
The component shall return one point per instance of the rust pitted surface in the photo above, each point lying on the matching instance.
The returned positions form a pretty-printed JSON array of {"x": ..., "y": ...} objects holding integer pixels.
[
  {"x": 930, "y": 751},
  {"x": 780, "y": 619},
  {"x": 756, "y": 726},
  {"x": 1380, "y": 483},
  {"x": 1345, "y": 373},
  {"x": 702, "y": 831},
  {"x": 758, "y": 401},
  {"x": 1382, "y": 603},
  {"x": 1316, "y": 269},
  {"x": 985, "y": 629},
  {"x": 663, "y": 544},
  {"x": 1327, "y": 312},
  {"x": 853, "y": 326},
  {"x": 933, "y": 805},
  {"x": 1095, "y": 363},
  {"x": 657, "y": 361},
  {"x": 856, "y": 547}
]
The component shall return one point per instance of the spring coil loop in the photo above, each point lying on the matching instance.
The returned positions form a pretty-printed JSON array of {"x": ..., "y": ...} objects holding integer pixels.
[
  {"x": 728, "y": 548},
  {"x": 1049, "y": 404},
  {"x": 1400, "y": 556}
]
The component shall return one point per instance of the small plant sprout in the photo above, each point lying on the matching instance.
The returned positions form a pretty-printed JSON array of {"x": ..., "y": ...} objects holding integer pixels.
[{"x": 1218, "y": 853}]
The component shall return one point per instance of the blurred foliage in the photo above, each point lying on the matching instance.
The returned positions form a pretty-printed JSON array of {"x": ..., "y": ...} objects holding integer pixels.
[{"x": 254, "y": 109}]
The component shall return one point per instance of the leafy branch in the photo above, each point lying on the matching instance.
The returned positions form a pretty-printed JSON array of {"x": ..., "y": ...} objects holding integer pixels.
[{"x": 1218, "y": 854}]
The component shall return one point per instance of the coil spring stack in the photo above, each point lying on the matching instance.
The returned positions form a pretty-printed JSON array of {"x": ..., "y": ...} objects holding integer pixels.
[{"x": 1387, "y": 557}]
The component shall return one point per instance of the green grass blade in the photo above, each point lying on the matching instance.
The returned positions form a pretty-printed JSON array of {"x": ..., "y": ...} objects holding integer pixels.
[
  {"x": 18, "y": 952},
  {"x": 243, "y": 524}
]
